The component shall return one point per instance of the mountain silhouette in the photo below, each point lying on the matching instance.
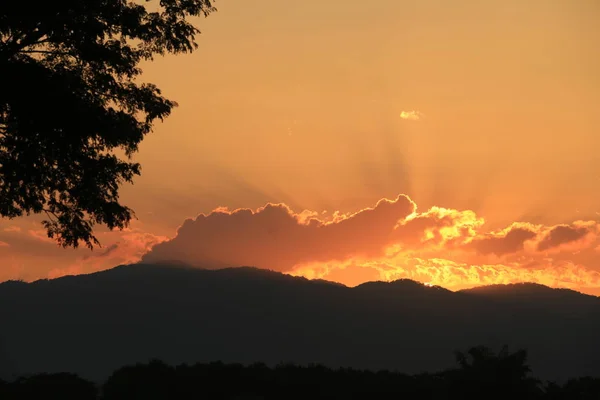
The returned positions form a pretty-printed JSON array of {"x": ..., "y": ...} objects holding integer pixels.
[{"x": 92, "y": 324}]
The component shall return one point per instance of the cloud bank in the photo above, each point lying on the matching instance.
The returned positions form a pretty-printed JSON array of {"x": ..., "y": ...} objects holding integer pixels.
[
  {"x": 390, "y": 240},
  {"x": 275, "y": 237},
  {"x": 28, "y": 253}
]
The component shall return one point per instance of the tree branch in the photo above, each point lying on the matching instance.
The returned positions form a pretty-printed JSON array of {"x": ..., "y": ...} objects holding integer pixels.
[{"x": 51, "y": 215}]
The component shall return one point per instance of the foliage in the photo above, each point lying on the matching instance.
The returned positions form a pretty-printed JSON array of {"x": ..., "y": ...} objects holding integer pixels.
[
  {"x": 481, "y": 374},
  {"x": 61, "y": 386},
  {"x": 502, "y": 375},
  {"x": 72, "y": 111}
]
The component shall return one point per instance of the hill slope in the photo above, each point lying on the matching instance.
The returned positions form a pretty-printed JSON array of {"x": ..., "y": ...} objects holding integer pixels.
[{"x": 92, "y": 324}]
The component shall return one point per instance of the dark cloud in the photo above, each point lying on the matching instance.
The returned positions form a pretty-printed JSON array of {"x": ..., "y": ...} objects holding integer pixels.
[
  {"x": 563, "y": 234},
  {"x": 512, "y": 241}
]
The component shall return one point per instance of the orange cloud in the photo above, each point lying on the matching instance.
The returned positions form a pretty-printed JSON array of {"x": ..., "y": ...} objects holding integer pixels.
[
  {"x": 437, "y": 226},
  {"x": 507, "y": 241},
  {"x": 456, "y": 275},
  {"x": 128, "y": 249},
  {"x": 391, "y": 240},
  {"x": 41, "y": 235},
  {"x": 574, "y": 237},
  {"x": 275, "y": 237}
]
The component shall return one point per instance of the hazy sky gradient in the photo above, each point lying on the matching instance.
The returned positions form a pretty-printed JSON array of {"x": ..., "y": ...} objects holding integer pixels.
[{"x": 302, "y": 103}]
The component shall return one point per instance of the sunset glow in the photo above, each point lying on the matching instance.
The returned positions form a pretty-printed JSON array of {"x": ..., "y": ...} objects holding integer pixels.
[{"x": 453, "y": 143}]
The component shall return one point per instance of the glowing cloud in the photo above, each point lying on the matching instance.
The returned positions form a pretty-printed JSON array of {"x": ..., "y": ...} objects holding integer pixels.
[
  {"x": 390, "y": 240},
  {"x": 411, "y": 115},
  {"x": 275, "y": 237},
  {"x": 128, "y": 249}
]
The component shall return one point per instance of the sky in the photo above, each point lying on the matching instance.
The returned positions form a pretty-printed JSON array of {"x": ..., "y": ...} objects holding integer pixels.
[{"x": 477, "y": 121}]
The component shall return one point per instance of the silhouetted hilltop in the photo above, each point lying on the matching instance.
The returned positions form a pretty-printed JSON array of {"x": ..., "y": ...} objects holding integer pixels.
[
  {"x": 402, "y": 284},
  {"x": 536, "y": 296},
  {"x": 92, "y": 324},
  {"x": 527, "y": 290},
  {"x": 402, "y": 288}
]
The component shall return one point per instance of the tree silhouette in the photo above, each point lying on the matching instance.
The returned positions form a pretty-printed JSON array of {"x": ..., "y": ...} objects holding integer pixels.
[
  {"x": 71, "y": 111},
  {"x": 585, "y": 388},
  {"x": 61, "y": 386},
  {"x": 154, "y": 380},
  {"x": 481, "y": 372}
]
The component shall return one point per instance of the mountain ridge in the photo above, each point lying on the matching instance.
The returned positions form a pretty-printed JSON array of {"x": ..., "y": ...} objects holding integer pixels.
[
  {"x": 91, "y": 324},
  {"x": 482, "y": 290}
]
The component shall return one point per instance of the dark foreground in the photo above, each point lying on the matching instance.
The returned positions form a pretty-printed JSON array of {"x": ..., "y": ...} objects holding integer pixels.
[
  {"x": 91, "y": 325},
  {"x": 479, "y": 374}
]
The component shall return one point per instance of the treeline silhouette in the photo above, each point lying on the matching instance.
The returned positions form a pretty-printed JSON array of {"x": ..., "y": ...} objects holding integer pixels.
[{"x": 479, "y": 374}]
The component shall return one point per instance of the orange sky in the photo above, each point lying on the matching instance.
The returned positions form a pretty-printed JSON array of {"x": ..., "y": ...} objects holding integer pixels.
[{"x": 487, "y": 110}]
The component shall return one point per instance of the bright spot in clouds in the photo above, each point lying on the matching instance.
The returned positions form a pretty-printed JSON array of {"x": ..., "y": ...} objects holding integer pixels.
[{"x": 411, "y": 115}]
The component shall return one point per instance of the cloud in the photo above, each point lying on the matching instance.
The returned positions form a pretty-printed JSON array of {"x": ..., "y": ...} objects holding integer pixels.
[
  {"x": 411, "y": 115},
  {"x": 4, "y": 244},
  {"x": 437, "y": 226},
  {"x": 390, "y": 240},
  {"x": 41, "y": 235},
  {"x": 12, "y": 228},
  {"x": 457, "y": 275},
  {"x": 507, "y": 241},
  {"x": 128, "y": 249},
  {"x": 275, "y": 237},
  {"x": 568, "y": 235}
]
